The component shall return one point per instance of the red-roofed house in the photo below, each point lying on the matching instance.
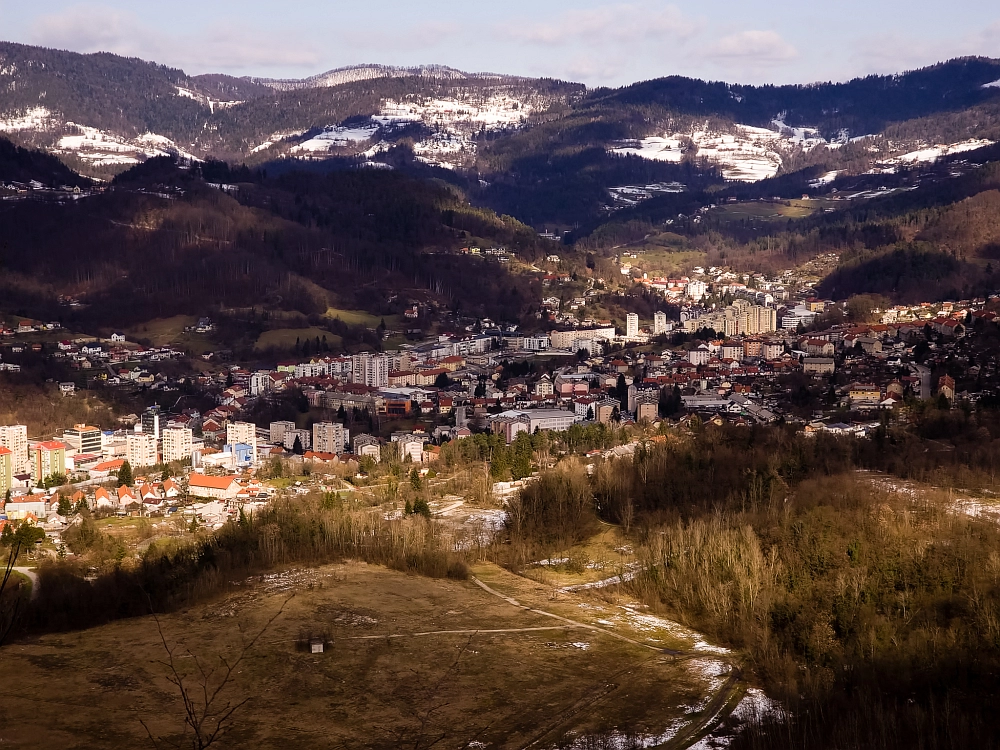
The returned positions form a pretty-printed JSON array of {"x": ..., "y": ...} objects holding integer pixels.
[{"x": 223, "y": 488}]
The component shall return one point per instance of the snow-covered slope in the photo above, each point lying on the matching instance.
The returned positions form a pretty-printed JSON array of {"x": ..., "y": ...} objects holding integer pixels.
[
  {"x": 744, "y": 153},
  {"x": 936, "y": 151},
  {"x": 454, "y": 123},
  {"x": 354, "y": 73},
  {"x": 93, "y": 146}
]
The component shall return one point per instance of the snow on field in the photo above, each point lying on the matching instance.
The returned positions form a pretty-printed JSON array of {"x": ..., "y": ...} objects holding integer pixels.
[
  {"x": 747, "y": 154},
  {"x": 992, "y": 85},
  {"x": 36, "y": 118},
  {"x": 100, "y": 147},
  {"x": 824, "y": 179},
  {"x": 935, "y": 152},
  {"x": 336, "y": 137}
]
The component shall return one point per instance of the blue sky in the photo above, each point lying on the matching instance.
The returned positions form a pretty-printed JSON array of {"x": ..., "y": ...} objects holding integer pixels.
[{"x": 598, "y": 42}]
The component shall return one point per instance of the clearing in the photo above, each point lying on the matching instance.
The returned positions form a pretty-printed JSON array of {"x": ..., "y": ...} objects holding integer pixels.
[
  {"x": 497, "y": 661},
  {"x": 284, "y": 338}
]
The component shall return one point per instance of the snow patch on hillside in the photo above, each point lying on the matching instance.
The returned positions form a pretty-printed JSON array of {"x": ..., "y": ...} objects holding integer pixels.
[
  {"x": 935, "y": 152},
  {"x": 36, "y": 118},
  {"x": 992, "y": 85},
  {"x": 336, "y": 137},
  {"x": 99, "y": 147},
  {"x": 746, "y": 154},
  {"x": 206, "y": 101}
]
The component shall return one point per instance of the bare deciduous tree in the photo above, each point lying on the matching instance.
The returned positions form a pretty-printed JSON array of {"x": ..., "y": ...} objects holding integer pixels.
[
  {"x": 206, "y": 690},
  {"x": 9, "y": 606}
]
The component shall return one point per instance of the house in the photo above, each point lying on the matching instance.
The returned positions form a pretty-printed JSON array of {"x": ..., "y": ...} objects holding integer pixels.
[
  {"x": 222, "y": 488},
  {"x": 103, "y": 499},
  {"x": 946, "y": 387},
  {"x": 170, "y": 489},
  {"x": 818, "y": 365},
  {"x": 106, "y": 469},
  {"x": 862, "y": 394},
  {"x": 126, "y": 496}
]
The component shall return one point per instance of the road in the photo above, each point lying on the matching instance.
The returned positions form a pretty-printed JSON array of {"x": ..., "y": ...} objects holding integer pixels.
[{"x": 924, "y": 373}]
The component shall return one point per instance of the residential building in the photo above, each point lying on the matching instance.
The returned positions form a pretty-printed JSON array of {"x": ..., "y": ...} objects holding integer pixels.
[
  {"x": 244, "y": 433},
  {"x": 177, "y": 444},
  {"x": 366, "y": 445},
  {"x": 278, "y": 430},
  {"x": 659, "y": 323},
  {"x": 84, "y": 439},
  {"x": 410, "y": 444},
  {"x": 220, "y": 488},
  {"x": 304, "y": 438},
  {"x": 510, "y": 423},
  {"x": 6, "y": 470},
  {"x": 140, "y": 449},
  {"x": 47, "y": 459},
  {"x": 370, "y": 369},
  {"x": 329, "y": 437},
  {"x": 15, "y": 438},
  {"x": 818, "y": 365},
  {"x": 631, "y": 325},
  {"x": 864, "y": 394},
  {"x": 151, "y": 421}
]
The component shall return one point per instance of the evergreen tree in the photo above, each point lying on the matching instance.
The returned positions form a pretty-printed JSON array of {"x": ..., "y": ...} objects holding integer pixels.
[
  {"x": 297, "y": 448},
  {"x": 125, "y": 474},
  {"x": 65, "y": 506},
  {"x": 415, "y": 482}
]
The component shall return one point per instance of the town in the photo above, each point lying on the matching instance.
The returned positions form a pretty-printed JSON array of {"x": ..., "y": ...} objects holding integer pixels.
[{"x": 755, "y": 356}]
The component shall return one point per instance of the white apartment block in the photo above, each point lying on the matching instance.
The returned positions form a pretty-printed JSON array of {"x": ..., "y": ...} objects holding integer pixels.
[
  {"x": 278, "y": 430},
  {"x": 329, "y": 437},
  {"x": 304, "y": 436},
  {"x": 177, "y": 444},
  {"x": 140, "y": 449},
  {"x": 659, "y": 323},
  {"x": 631, "y": 325},
  {"x": 261, "y": 383},
  {"x": 15, "y": 439},
  {"x": 245, "y": 433},
  {"x": 370, "y": 369}
]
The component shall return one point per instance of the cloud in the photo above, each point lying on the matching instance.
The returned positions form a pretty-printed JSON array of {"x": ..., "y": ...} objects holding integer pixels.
[
  {"x": 753, "y": 47},
  {"x": 99, "y": 28},
  {"x": 621, "y": 22}
]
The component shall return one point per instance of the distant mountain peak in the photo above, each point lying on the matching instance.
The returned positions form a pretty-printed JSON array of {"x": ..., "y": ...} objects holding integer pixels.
[{"x": 368, "y": 72}]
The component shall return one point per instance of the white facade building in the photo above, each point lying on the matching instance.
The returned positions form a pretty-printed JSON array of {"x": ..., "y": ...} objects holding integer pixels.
[
  {"x": 140, "y": 449},
  {"x": 15, "y": 438},
  {"x": 329, "y": 437},
  {"x": 631, "y": 325},
  {"x": 659, "y": 323},
  {"x": 370, "y": 369},
  {"x": 278, "y": 430},
  {"x": 177, "y": 444},
  {"x": 245, "y": 433}
]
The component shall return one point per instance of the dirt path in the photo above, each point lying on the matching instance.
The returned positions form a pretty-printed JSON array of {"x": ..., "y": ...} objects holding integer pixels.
[
  {"x": 719, "y": 707},
  {"x": 32, "y": 576}
]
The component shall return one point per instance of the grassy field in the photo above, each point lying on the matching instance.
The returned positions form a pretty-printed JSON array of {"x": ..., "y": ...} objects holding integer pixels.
[
  {"x": 766, "y": 211},
  {"x": 284, "y": 338},
  {"x": 408, "y": 659},
  {"x": 362, "y": 318}
]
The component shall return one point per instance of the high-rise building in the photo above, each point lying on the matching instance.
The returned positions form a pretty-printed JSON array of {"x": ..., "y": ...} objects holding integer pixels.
[
  {"x": 304, "y": 437},
  {"x": 177, "y": 444},
  {"x": 84, "y": 439},
  {"x": 244, "y": 433},
  {"x": 278, "y": 430},
  {"x": 140, "y": 449},
  {"x": 15, "y": 438},
  {"x": 329, "y": 437},
  {"x": 47, "y": 459},
  {"x": 6, "y": 470},
  {"x": 151, "y": 421},
  {"x": 631, "y": 325},
  {"x": 370, "y": 369},
  {"x": 659, "y": 322}
]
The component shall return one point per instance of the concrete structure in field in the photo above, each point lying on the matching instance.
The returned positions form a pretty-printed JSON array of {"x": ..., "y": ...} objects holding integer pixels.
[
  {"x": 245, "y": 433},
  {"x": 84, "y": 439},
  {"x": 221, "y": 488},
  {"x": 177, "y": 444},
  {"x": 47, "y": 459},
  {"x": 15, "y": 438},
  {"x": 329, "y": 437},
  {"x": 140, "y": 449},
  {"x": 631, "y": 325}
]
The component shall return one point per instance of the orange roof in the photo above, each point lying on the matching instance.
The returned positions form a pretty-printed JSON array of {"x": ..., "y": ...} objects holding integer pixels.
[
  {"x": 215, "y": 483},
  {"x": 110, "y": 465},
  {"x": 50, "y": 445},
  {"x": 4, "y": 451}
]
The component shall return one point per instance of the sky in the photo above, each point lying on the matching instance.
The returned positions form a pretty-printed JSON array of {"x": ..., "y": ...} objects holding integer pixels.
[{"x": 597, "y": 42}]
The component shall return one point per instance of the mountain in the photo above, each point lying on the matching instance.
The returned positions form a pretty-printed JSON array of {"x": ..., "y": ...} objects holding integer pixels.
[{"x": 353, "y": 73}]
